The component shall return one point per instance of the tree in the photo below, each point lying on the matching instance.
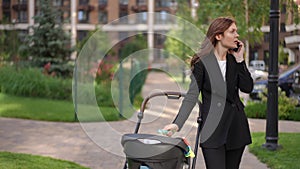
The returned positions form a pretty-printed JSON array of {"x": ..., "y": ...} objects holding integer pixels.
[
  {"x": 184, "y": 21},
  {"x": 49, "y": 43},
  {"x": 250, "y": 15}
]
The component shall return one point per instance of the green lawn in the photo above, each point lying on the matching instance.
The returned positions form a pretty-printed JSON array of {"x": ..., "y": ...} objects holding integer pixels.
[
  {"x": 48, "y": 110},
  {"x": 285, "y": 158},
  {"x": 25, "y": 161}
]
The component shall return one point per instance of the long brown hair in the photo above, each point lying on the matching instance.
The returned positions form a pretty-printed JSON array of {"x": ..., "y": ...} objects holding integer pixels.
[{"x": 217, "y": 26}]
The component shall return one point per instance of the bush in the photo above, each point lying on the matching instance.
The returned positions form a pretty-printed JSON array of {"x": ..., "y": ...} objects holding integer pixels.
[
  {"x": 103, "y": 95},
  {"x": 31, "y": 82},
  {"x": 256, "y": 110},
  {"x": 287, "y": 108}
]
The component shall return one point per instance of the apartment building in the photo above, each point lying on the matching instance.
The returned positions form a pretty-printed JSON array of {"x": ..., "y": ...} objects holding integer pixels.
[
  {"x": 289, "y": 38},
  {"x": 89, "y": 14}
]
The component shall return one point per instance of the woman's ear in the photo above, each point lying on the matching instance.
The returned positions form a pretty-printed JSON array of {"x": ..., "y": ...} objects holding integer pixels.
[{"x": 219, "y": 36}]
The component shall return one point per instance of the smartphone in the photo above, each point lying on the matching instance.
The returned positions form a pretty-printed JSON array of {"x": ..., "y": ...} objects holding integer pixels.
[{"x": 236, "y": 49}]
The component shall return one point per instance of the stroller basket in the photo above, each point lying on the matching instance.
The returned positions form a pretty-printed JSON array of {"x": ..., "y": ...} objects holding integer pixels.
[{"x": 154, "y": 152}]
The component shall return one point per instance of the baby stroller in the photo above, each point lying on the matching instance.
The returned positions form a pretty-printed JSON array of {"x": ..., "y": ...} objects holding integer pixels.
[{"x": 147, "y": 151}]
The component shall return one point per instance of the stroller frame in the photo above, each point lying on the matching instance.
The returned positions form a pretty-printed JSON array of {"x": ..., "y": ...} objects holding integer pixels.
[{"x": 176, "y": 96}]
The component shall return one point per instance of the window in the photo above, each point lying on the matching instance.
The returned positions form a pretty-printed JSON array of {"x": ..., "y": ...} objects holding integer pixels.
[
  {"x": 37, "y": 3},
  {"x": 57, "y": 3},
  {"x": 255, "y": 55},
  {"x": 22, "y": 16},
  {"x": 6, "y": 2},
  {"x": 159, "y": 39},
  {"x": 123, "y": 18},
  {"x": 66, "y": 16},
  {"x": 102, "y": 2},
  {"x": 123, "y": 2},
  {"x": 266, "y": 37},
  {"x": 22, "y": 1},
  {"x": 142, "y": 17},
  {"x": 282, "y": 27},
  {"x": 83, "y": 16},
  {"x": 141, "y": 2},
  {"x": 59, "y": 17},
  {"x": 162, "y": 17},
  {"x": 83, "y": 2},
  {"x": 102, "y": 17},
  {"x": 266, "y": 57},
  {"x": 163, "y": 3}
]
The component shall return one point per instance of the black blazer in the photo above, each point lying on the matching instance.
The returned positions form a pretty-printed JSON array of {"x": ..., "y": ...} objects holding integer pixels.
[{"x": 224, "y": 119}]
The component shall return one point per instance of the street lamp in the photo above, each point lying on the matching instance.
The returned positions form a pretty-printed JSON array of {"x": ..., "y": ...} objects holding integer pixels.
[{"x": 272, "y": 102}]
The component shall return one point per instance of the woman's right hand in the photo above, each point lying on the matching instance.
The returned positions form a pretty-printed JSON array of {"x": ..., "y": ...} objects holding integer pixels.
[{"x": 171, "y": 128}]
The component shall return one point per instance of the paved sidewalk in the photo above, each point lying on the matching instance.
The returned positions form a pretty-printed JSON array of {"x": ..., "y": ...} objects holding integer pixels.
[{"x": 101, "y": 148}]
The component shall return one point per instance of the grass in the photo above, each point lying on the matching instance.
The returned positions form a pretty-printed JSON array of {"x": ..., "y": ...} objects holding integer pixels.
[
  {"x": 49, "y": 110},
  {"x": 285, "y": 158},
  {"x": 25, "y": 161}
]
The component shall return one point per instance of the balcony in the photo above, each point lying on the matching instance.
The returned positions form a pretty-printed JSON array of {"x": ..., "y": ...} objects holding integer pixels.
[
  {"x": 139, "y": 8},
  {"x": 123, "y": 7},
  {"x": 86, "y": 7},
  {"x": 292, "y": 39},
  {"x": 102, "y": 6},
  {"x": 292, "y": 42}
]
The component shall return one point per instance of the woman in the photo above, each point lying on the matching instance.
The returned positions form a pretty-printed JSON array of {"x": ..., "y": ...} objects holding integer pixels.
[{"x": 218, "y": 73}]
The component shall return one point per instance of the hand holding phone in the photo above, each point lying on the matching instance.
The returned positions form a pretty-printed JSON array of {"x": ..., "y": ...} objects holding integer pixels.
[
  {"x": 238, "y": 46},
  {"x": 238, "y": 52}
]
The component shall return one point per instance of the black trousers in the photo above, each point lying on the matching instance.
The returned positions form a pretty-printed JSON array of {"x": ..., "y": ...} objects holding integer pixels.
[{"x": 220, "y": 158}]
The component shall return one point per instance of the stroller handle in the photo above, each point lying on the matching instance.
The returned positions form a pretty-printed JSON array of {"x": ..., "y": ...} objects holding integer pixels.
[{"x": 168, "y": 94}]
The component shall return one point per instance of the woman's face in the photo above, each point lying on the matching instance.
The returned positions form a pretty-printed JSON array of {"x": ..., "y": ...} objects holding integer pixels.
[{"x": 229, "y": 38}]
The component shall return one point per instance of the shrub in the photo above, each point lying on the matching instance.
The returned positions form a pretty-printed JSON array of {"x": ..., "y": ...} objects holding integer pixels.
[
  {"x": 103, "y": 95},
  {"x": 287, "y": 108},
  {"x": 31, "y": 82},
  {"x": 256, "y": 110}
]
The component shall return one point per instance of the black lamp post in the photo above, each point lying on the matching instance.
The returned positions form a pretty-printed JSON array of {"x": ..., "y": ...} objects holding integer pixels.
[{"x": 272, "y": 102}]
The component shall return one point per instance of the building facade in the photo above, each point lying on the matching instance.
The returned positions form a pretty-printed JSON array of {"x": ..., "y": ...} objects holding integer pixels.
[
  {"x": 289, "y": 39},
  {"x": 81, "y": 16}
]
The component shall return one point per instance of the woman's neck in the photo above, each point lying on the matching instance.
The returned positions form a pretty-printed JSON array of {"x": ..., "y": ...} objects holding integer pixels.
[{"x": 220, "y": 53}]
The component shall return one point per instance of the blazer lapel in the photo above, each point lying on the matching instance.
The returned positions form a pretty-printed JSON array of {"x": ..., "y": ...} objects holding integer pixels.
[{"x": 218, "y": 85}]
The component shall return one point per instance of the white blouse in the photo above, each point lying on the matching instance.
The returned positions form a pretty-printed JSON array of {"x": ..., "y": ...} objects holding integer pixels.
[{"x": 222, "y": 65}]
